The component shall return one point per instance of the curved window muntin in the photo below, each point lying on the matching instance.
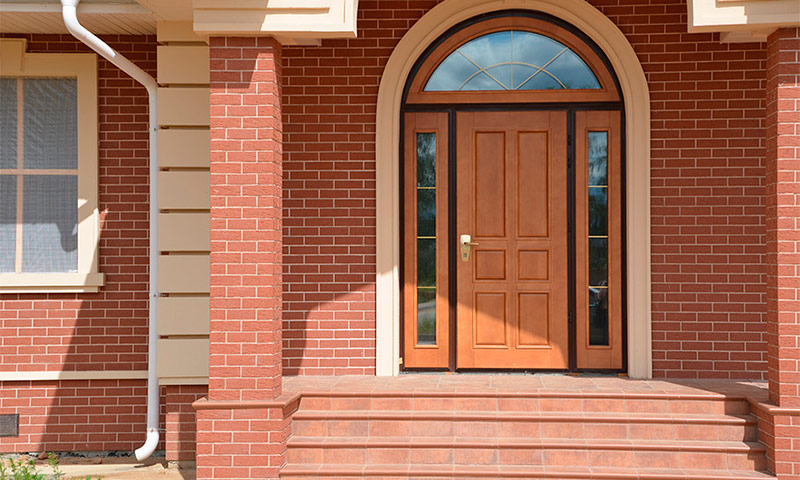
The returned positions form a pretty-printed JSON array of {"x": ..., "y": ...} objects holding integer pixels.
[{"x": 429, "y": 61}]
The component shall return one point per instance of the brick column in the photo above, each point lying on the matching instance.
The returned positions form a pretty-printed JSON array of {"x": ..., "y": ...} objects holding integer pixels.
[
  {"x": 241, "y": 430},
  {"x": 780, "y": 427},
  {"x": 783, "y": 216}
]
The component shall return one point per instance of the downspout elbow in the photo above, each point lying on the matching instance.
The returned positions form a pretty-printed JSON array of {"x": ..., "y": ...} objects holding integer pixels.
[{"x": 150, "y": 444}]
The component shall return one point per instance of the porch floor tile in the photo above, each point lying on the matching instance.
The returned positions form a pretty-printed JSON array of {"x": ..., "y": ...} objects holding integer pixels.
[{"x": 535, "y": 384}]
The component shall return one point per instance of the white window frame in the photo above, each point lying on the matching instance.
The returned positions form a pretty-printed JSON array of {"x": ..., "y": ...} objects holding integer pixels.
[{"x": 16, "y": 62}]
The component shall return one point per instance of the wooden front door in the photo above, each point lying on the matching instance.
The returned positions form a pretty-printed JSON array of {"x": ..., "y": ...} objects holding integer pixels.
[{"x": 511, "y": 230}]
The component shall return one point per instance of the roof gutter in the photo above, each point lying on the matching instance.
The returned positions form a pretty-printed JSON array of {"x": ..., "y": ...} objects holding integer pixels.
[{"x": 69, "y": 12}]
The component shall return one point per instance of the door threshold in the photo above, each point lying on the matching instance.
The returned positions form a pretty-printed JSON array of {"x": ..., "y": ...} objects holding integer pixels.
[{"x": 540, "y": 373}]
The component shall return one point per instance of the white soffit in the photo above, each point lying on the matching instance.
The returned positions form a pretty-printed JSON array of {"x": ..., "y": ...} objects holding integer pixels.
[
  {"x": 101, "y": 17},
  {"x": 760, "y": 17},
  {"x": 170, "y": 10}
]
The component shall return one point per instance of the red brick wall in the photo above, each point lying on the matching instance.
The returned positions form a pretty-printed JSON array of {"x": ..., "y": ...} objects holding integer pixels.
[
  {"x": 102, "y": 331},
  {"x": 181, "y": 421},
  {"x": 76, "y": 415},
  {"x": 707, "y": 102}
]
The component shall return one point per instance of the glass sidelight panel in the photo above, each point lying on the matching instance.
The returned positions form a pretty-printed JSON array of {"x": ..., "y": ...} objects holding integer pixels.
[
  {"x": 597, "y": 147},
  {"x": 425, "y": 282},
  {"x": 426, "y": 212},
  {"x": 426, "y": 238},
  {"x": 426, "y": 316}
]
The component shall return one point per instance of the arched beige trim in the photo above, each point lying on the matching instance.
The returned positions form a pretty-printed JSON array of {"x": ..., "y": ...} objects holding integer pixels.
[{"x": 637, "y": 115}]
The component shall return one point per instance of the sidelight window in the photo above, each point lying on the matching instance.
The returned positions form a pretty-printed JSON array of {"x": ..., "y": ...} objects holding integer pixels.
[
  {"x": 426, "y": 238},
  {"x": 598, "y": 237}
]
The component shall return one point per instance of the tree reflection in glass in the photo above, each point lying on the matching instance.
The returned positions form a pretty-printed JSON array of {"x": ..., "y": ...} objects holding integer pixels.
[
  {"x": 597, "y": 169},
  {"x": 426, "y": 238}
]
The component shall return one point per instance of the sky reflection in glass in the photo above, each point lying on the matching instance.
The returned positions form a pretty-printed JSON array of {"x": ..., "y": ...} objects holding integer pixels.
[{"x": 512, "y": 60}]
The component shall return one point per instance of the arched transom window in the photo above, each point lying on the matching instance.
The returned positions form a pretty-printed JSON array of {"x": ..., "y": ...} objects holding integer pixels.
[{"x": 512, "y": 60}]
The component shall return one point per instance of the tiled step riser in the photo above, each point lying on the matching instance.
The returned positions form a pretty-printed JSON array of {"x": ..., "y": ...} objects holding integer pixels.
[
  {"x": 524, "y": 429},
  {"x": 311, "y": 473},
  {"x": 527, "y": 456},
  {"x": 494, "y": 476},
  {"x": 531, "y": 404}
]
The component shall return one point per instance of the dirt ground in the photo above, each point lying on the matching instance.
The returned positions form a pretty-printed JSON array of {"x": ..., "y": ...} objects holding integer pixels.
[{"x": 119, "y": 468}]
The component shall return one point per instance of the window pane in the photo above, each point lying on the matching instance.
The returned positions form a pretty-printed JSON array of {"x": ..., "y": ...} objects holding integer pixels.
[
  {"x": 481, "y": 81},
  {"x": 598, "y": 247},
  {"x": 426, "y": 247},
  {"x": 489, "y": 50},
  {"x": 426, "y": 316},
  {"x": 598, "y": 316},
  {"x": 533, "y": 51},
  {"x": 510, "y": 60},
  {"x": 571, "y": 70},
  {"x": 598, "y": 158},
  {"x": 450, "y": 74},
  {"x": 426, "y": 213},
  {"x": 50, "y": 123},
  {"x": 426, "y": 159},
  {"x": 598, "y": 262},
  {"x": 50, "y": 223},
  {"x": 426, "y": 262},
  {"x": 8, "y": 122},
  {"x": 8, "y": 222},
  {"x": 598, "y": 211}
]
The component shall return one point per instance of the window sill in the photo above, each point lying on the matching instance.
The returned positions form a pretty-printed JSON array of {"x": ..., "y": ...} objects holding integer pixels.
[{"x": 51, "y": 282}]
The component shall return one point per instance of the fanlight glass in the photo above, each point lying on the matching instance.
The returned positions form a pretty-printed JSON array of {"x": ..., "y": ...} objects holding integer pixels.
[{"x": 512, "y": 60}]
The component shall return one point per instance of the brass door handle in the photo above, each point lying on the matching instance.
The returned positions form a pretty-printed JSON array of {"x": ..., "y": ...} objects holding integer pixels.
[{"x": 466, "y": 246}]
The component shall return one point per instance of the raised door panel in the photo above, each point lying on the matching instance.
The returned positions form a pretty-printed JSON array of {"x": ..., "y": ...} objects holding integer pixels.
[
  {"x": 488, "y": 204},
  {"x": 533, "y": 206}
]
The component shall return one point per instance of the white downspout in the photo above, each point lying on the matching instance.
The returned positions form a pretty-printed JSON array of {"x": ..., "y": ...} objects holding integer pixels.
[{"x": 69, "y": 12}]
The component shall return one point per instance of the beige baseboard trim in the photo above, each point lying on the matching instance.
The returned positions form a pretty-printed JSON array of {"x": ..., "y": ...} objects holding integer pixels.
[
  {"x": 73, "y": 375},
  {"x": 183, "y": 381}
]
